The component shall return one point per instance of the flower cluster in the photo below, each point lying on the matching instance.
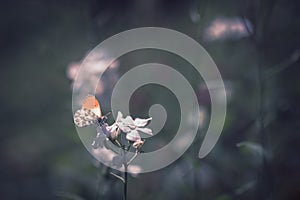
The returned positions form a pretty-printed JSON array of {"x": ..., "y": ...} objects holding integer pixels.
[
  {"x": 131, "y": 128},
  {"x": 127, "y": 128},
  {"x": 227, "y": 28}
]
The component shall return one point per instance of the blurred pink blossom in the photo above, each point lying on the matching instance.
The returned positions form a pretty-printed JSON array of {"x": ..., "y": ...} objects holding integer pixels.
[
  {"x": 72, "y": 70},
  {"x": 93, "y": 66},
  {"x": 227, "y": 28},
  {"x": 104, "y": 154},
  {"x": 85, "y": 76}
]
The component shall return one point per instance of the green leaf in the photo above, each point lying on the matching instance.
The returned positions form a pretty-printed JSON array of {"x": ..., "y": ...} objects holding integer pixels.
[{"x": 252, "y": 147}]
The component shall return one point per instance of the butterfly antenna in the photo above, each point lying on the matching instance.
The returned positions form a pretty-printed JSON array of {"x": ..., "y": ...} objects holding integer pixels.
[{"x": 107, "y": 114}]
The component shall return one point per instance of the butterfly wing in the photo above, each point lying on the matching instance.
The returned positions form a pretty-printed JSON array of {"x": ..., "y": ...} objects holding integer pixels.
[
  {"x": 91, "y": 103},
  {"x": 85, "y": 117}
]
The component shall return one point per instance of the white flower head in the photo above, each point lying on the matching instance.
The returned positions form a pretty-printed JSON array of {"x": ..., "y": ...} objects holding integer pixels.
[
  {"x": 110, "y": 131},
  {"x": 132, "y": 127},
  {"x": 133, "y": 136},
  {"x": 137, "y": 144},
  {"x": 103, "y": 132},
  {"x": 114, "y": 131}
]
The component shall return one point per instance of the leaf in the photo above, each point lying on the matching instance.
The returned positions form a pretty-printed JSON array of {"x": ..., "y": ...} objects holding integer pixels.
[
  {"x": 244, "y": 188},
  {"x": 68, "y": 195},
  {"x": 117, "y": 176},
  {"x": 252, "y": 146}
]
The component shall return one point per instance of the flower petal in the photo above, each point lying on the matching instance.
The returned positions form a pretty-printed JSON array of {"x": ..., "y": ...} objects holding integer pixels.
[
  {"x": 105, "y": 129},
  {"x": 141, "y": 122},
  {"x": 133, "y": 136},
  {"x": 119, "y": 117},
  {"x": 112, "y": 127},
  {"x": 138, "y": 144},
  {"x": 114, "y": 131},
  {"x": 128, "y": 121},
  {"x": 99, "y": 141},
  {"x": 145, "y": 130},
  {"x": 123, "y": 127}
]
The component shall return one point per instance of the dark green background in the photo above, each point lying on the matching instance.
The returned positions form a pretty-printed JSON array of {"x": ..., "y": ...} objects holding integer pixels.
[{"x": 40, "y": 152}]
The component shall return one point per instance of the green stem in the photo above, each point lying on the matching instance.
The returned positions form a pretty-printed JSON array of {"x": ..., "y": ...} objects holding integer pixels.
[
  {"x": 133, "y": 157},
  {"x": 117, "y": 176}
]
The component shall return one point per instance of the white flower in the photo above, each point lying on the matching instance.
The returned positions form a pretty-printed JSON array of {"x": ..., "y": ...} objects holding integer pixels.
[
  {"x": 133, "y": 127},
  {"x": 141, "y": 122},
  {"x": 137, "y": 144},
  {"x": 103, "y": 133},
  {"x": 104, "y": 129},
  {"x": 133, "y": 136},
  {"x": 110, "y": 131},
  {"x": 114, "y": 131},
  {"x": 145, "y": 130},
  {"x": 99, "y": 140}
]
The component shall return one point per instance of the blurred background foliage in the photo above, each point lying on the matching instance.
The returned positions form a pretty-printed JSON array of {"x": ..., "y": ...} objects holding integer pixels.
[{"x": 256, "y": 46}]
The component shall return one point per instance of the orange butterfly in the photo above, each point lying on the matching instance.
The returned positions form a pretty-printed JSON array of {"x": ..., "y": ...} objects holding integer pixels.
[{"x": 90, "y": 113}]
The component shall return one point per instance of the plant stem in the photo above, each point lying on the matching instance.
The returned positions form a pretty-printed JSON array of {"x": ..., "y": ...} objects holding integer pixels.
[
  {"x": 117, "y": 176},
  {"x": 125, "y": 181},
  {"x": 125, "y": 150},
  {"x": 133, "y": 157}
]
